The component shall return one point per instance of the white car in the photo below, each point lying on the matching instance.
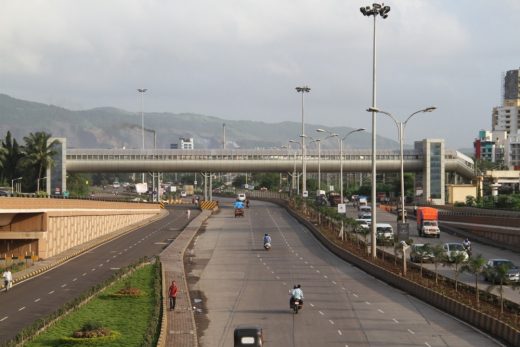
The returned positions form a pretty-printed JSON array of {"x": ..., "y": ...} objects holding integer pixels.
[
  {"x": 183, "y": 194},
  {"x": 452, "y": 249},
  {"x": 363, "y": 224},
  {"x": 241, "y": 197},
  {"x": 384, "y": 233}
]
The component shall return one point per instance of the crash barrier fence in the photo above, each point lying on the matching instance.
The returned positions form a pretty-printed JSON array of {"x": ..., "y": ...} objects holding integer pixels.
[{"x": 480, "y": 320}]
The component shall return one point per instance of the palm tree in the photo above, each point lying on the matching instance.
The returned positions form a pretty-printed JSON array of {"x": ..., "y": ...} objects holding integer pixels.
[
  {"x": 499, "y": 274},
  {"x": 456, "y": 260},
  {"x": 475, "y": 266},
  {"x": 438, "y": 257},
  {"x": 11, "y": 162},
  {"x": 39, "y": 152}
]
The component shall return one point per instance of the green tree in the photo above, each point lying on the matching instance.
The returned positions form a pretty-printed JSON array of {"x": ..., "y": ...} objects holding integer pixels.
[
  {"x": 239, "y": 181},
  {"x": 456, "y": 261},
  {"x": 439, "y": 257},
  {"x": 39, "y": 153},
  {"x": 475, "y": 266},
  {"x": 423, "y": 252},
  {"x": 77, "y": 185},
  {"x": 12, "y": 159},
  {"x": 499, "y": 275}
]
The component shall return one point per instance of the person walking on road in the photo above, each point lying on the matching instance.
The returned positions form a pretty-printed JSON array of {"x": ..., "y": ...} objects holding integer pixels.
[
  {"x": 8, "y": 279},
  {"x": 172, "y": 294},
  {"x": 188, "y": 213}
]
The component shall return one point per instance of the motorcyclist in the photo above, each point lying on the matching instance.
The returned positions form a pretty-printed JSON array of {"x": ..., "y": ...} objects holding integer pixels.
[
  {"x": 467, "y": 245},
  {"x": 296, "y": 294},
  {"x": 267, "y": 238}
]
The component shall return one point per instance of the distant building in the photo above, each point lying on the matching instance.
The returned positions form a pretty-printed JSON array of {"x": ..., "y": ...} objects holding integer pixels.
[
  {"x": 502, "y": 144},
  {"x": 186, "y": 143},
  {"x": 174, "y": 145},
  {"x": 490, "y": 145}
]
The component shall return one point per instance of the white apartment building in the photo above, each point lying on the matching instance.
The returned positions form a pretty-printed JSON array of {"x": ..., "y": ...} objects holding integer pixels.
[{"x": 186, "y": 143}]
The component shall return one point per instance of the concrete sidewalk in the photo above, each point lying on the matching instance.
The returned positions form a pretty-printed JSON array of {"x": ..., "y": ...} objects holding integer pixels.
[
  {"x": 44, "y": 265},
  {"x": 178, "y": 326}
]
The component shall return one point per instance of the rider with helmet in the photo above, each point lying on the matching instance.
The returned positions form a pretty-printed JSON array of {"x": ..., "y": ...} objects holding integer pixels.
[
  {"x": 267, "y": 238},
  {"x": 296, "y": 294}
]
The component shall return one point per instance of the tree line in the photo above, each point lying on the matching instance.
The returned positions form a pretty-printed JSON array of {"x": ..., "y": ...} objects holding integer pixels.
[{"x": 26, "y": 163}]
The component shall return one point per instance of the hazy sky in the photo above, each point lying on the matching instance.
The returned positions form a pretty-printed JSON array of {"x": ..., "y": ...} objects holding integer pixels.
[{"x": 242, "y": 59}]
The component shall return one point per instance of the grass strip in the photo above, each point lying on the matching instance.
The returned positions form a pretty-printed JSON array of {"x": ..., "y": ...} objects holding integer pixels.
[{"x": 133, "y": 317}]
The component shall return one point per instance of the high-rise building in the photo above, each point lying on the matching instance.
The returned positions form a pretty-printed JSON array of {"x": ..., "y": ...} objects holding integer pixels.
[
  {"x": 505, "y": 118},
  {"x": 512, "y": 88}
]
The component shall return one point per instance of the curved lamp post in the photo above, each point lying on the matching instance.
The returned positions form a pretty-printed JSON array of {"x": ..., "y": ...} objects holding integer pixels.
[
  {"x": 303, "y": 90},
  {"x": 375, "y": 10},
  {"x": 400, "y": 129}
]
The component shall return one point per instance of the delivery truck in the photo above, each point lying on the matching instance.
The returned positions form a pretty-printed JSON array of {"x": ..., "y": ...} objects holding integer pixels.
[
  {"x": 428, "y": 222},
  {"x": 188, "y": 188}
]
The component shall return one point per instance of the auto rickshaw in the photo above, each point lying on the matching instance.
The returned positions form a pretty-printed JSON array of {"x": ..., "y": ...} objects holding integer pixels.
[{"x": 248, "y": 335}]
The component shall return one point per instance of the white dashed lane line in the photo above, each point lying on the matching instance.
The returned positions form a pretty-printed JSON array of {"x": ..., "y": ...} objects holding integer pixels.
[
  {"x": 357, "y": 296},
  {"x": 339, "y": 332},
  {"x": 334, "y": 282},
  {"x": 52, "y": 291},
  {"x": 312, "y": 305},
  {"x": 84, "y": 274},
  {"x": 427, "y": 344},
  {"x": 380, "y": 310},
  {"x": 74, "y": 279},
  {"x": 395, "y": 320},
  {"x": 366, "y": 302},
  {"x": 21, "y": 308},
  {"x": 1, "y": 320},
  {"x": 411, "y": 331},
  {"x": 93, "y": 269},
  {"x": 321, "y": 313},
  {"x": 331, "y": 321},
  {"x": 64, "y": 285},
  {"x": 36, "y": 300}
]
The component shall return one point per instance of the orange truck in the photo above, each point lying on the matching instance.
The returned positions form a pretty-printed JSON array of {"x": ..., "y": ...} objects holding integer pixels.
[{"x": 428, "y": 222}]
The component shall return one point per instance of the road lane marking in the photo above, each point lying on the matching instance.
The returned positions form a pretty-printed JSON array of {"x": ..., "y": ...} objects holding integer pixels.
[
  {"x": 100, "y": 265},
  {"x": 64, "y": 285},
  {"x": 427, "y": 344},
  {"x": 115, "y": 268},
  {"x": 1, "y": 320},
  {"x": 284, "y": 283},
  {"x": 277, "y": 277},
  {"x": 37, "y": 300},
  {"x": 306, "y": 262},
  {"x": 107, "y": 261},
  {"x": 318, "y": 271},
  {"x": 357, "y": 296},
  {"x": 321, "y": 313},
  {"x": 272, "y": 272},
  {"x": 52, "y": 291},
  {"x": 301, "y": 258},
  {"x": 380, "y": 310},
  {"x": 343, "y": 288},
  {"x": 84, "y": 274},
  {"x": 74, "y": 279},
  {"x": 334, "y": 282},
  {"x": 395, "y": 320},
  {"x": 325, "y": 276},
  {"x": 339, "y": 332},
  {"x": 93, "y": 269},
  {"x": 366, "y": 302},
  {"x": 21, "y": 308},
  {"x": 411, "y": 331},
  {"x": 331, "y": 321},
  {"x": 312, "y": 305}
]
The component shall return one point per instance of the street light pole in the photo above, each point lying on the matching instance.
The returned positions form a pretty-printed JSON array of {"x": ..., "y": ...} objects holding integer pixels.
[
  {"x": 295, "y": 176},
  {"x": 303, "y": 90},
  {"x": 400, "y": 129},
  {"x": 376, "y": 9},
  {"x": 141, "y": 92},
  {"x": 341, "y": 158}
]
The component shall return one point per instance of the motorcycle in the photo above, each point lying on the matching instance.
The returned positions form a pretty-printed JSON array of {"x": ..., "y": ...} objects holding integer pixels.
[
  {"x": 296, "y": 305},
  {"x": 467, "y": 248},
  {"x": 267, "y": 246}
]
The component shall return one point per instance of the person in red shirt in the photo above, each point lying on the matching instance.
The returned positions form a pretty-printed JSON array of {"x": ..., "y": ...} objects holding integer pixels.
[{"x": 172, "y": 294}]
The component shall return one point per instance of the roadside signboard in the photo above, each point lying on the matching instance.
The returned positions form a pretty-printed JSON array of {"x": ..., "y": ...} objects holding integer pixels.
[
  {"x": 403, "y": 231},
  {"x": 342, "y": 208}
]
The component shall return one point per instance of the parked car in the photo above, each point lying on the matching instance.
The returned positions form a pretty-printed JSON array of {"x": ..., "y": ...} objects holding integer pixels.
[
  {"x": 4, "y": 193},
  {"x": 490, "y": 273},
  {"x": 451, "y": 249},
  {"x": 366, "y": 216},
  {"x": 183, "y": 194},
  {"x": 420, "y": 252}
]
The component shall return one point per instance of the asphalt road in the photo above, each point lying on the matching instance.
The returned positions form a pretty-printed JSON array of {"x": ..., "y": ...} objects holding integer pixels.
[
  {"x": 488, "y": 252},
  {"x": 233, "y": 281},
  {"x": 42, "y": 295}
]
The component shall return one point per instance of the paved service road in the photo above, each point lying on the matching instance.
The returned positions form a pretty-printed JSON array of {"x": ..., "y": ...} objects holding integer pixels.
[
  {"x": 42, "y": 295},
  {"x": 233, "y": 281}
]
